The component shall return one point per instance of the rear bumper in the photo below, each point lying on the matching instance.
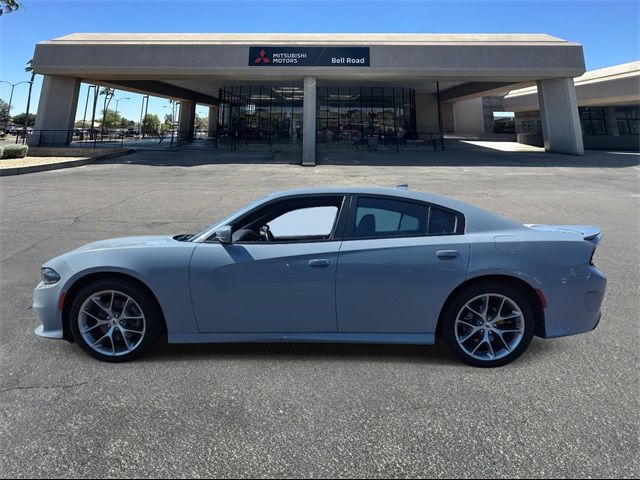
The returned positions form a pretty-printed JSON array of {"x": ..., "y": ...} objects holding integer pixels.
[{"x": 574, "y": 300}]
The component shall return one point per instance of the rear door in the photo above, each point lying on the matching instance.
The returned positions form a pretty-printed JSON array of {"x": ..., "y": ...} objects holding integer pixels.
[{"x": 399, "y": 262}]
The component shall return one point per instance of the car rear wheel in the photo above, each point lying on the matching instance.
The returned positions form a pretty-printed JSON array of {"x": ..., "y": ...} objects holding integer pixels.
[
  {"x": 115, "y": 321},
  {"x": 488, "y": 324}
]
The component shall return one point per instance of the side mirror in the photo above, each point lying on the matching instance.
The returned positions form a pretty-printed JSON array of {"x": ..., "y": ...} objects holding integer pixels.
[{"x": 223, "y": 234}]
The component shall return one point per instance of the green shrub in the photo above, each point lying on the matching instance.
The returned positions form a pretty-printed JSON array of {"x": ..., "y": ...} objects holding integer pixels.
[
  {"x": 14, "y": 151},
  {"x": 1, "y": 150}
]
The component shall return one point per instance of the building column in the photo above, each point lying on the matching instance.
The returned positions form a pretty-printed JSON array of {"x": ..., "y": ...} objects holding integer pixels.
[
  {"x": 187, "y": 120},
  {"x": 213, "y": 122},
  {"x": 561, "y": 129},
  {"x": 56, "y": 111},
  {"x": 309, "y": 122}
]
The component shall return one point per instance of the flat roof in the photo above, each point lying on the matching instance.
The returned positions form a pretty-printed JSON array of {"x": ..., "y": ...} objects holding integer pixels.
[
  {"x": 311, "y": 39},
  {"x": 188, "y": 65}
]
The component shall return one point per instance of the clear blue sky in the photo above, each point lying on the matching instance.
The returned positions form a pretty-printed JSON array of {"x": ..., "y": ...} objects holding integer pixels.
[{"x": 608, "y": 29}]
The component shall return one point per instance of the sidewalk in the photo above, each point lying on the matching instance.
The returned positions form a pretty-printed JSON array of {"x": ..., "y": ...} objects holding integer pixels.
[{"x": 18, "y": 166}]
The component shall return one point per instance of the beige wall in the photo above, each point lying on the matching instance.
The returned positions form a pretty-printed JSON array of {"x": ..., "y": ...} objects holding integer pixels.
[
  {"x": 426, "y": 113},
  {"x": 469, "y": 117}
]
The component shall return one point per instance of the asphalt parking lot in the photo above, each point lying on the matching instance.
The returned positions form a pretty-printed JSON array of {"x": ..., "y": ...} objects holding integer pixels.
[{"x": 569, "y": 407}]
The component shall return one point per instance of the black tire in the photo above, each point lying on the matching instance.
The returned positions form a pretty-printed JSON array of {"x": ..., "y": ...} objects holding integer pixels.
[
  {"x": 454, "y": 307},
  {"x": 152, "y": 317}
]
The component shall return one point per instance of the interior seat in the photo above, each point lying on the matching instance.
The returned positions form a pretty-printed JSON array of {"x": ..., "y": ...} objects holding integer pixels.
[{"x": 366, "y": 226}]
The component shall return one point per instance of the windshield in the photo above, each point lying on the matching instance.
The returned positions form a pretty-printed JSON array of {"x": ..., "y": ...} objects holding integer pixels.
[{"x": 209, "y": 230}]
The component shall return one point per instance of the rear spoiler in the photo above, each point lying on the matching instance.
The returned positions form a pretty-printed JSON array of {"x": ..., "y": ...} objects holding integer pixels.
[{"x": 589, "y": 232}]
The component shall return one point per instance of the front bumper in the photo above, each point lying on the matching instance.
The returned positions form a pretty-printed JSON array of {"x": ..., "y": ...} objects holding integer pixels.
[
  {"x": 45, "y": 303},
  {"x": 574, "y": 300}
]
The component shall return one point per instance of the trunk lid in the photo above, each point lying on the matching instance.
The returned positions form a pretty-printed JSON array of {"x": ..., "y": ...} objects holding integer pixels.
[{"x": 589, "y": 233}]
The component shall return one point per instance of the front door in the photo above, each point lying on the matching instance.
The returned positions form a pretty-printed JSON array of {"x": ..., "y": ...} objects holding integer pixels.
[{"x": 277, "y": 276}]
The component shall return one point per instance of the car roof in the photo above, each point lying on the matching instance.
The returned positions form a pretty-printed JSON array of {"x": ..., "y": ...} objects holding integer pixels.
[{"x": 477, "y": 219}]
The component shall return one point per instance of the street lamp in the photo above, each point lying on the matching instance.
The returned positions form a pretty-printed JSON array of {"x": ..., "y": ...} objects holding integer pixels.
[
  {"x": 172, "y": 106},
  {"x": 124, "y": 98},
  {"x": 143, "y": 114},
  {"x": 13, "y": 85},
  {"x": 86, "y": 104}
]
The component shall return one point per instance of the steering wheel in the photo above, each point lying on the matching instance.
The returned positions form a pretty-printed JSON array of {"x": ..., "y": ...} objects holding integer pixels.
[{"x": 265, "y": 232}]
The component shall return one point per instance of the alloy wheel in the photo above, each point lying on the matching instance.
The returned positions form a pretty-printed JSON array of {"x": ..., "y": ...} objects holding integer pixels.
[
  {"x": 111, "y": 323},
  {"x": 489, "y": 327}
]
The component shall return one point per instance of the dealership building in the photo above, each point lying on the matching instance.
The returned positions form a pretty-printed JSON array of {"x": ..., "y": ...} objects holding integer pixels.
[{"x": 309, "y": 89}]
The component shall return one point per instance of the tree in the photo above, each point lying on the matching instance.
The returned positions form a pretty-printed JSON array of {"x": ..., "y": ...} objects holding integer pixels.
[
  {"x": 108, "y": 95},
  {"x": 8, "y": 6},
  {"x": 110, "y": 119},
  {"x": 202, "y": 123},
  {"x": 150, "y": 124},
  {"x": 29, "y": 69},
  {"x": 21, "y": 119},
  {"x": 168, "y": 122},
  {"x": 4, "y": 112}
]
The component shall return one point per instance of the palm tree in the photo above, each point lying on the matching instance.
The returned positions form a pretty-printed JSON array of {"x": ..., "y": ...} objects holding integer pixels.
[
  {"x": 108, "y": 95},
  {"x": 8, "y": 6},
  {"x": 29, "y": 69}
]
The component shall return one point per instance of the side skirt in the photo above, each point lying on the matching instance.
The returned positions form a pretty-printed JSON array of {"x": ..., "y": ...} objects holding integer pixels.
[{"x": 390, "y": 338}]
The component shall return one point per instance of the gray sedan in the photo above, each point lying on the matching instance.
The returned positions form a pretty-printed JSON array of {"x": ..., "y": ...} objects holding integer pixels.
[{"x": 353, "y": 265}]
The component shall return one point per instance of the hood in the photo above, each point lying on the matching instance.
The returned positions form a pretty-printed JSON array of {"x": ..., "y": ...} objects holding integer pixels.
[{"x": 127, "y": 242}]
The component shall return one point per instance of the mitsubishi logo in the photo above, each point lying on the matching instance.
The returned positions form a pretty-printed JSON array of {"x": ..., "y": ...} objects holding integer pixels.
[{"x": 262, "y": 58}]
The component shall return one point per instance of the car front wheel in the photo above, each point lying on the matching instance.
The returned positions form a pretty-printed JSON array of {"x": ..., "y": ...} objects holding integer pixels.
[
  {"x": 488, "y": 324},
  {"x": 114, "y": 321}
]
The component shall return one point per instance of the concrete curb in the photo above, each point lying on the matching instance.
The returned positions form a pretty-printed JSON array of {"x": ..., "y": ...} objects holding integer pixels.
[{"x": 4, "y": 172}]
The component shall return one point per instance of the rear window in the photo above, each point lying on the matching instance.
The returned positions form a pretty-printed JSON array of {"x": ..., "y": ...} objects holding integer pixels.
[{"x": 442, "y": 222}]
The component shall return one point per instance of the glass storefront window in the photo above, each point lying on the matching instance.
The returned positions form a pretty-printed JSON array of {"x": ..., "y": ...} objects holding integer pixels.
[
  {"x": 529, "y": 127},
  {"x": 345, "y": 114},
  {"x": 592, "y": 120},
  {"x": 348, "y": 115},
  {"x": 628, "y": 119}
]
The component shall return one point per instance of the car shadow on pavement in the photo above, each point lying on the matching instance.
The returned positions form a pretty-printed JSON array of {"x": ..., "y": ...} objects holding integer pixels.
[
  {"x": 411, "y": 354},
  {"x": 425, "y": 354}
]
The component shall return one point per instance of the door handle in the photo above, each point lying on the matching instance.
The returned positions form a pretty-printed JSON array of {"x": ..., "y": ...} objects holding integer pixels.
[
  {"x": 447, "y": 253},
  {"x": 319, "y": 262}
]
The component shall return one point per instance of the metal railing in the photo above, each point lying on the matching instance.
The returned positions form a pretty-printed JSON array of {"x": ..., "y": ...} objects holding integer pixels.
[
  {"x": 388, "y": 140},
  {"x": 226, "y": 140},
  {"x": 95, "y": 139},
  {"x": 230, "y": 141}
]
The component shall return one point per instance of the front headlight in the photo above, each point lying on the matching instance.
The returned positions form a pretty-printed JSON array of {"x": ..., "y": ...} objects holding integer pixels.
[{"x": 49, "y": 276}]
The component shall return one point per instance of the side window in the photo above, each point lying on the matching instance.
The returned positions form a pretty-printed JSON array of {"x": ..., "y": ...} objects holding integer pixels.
[
  {"x": 381, "y": 218},
  {"x": 291, "y": 220},
  {"x": 304, "y": 222}
]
